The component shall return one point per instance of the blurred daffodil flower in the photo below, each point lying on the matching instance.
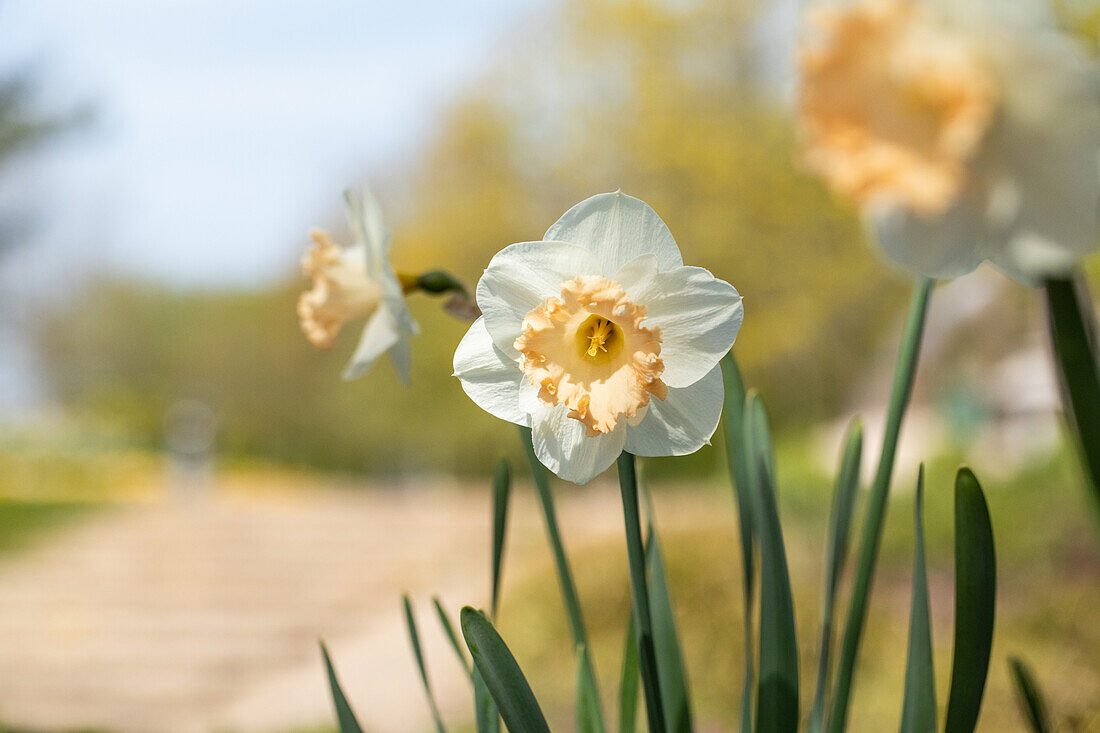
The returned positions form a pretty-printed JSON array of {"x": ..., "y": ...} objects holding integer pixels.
[
  {"x": 967, "y": 131},
  {"x": 356, "y": 282},
  {"x": 600, "y": 339}
]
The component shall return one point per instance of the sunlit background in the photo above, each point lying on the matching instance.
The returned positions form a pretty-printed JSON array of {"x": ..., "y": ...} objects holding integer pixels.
[{"x": 189, "y": 494}]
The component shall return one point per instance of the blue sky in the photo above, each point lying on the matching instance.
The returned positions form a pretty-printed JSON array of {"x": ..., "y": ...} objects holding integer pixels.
[{"x": 225, "y": 128}]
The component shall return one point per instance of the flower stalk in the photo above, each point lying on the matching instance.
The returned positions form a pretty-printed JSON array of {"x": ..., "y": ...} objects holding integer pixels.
[
  {"x": 880, "y": 490},
  {"x": 639, "y": 593}
]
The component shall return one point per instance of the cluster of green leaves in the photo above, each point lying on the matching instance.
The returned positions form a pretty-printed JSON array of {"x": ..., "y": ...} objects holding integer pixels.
[{"x": 770, "y": 696}]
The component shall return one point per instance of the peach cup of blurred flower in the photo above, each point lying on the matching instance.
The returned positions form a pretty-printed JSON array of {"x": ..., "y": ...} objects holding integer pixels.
[
  {"x": 357, "y": 282},
  {"x": 965, "y": 131}
]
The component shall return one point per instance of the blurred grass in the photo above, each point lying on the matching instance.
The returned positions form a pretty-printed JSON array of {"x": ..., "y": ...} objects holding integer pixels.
[
  {"x": 22, "y": 522},
  {"x": 1047, "y": 606}
]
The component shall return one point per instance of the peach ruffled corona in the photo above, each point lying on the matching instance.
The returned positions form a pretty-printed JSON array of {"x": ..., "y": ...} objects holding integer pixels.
[
  {"x": 589, "y": 351},
  {"x": 342, "y": 290},
  {"x": 893, "y": 104}
]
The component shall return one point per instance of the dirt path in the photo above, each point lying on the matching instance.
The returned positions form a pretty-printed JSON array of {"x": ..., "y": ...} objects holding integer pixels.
[{"x": 203, "y": 615}]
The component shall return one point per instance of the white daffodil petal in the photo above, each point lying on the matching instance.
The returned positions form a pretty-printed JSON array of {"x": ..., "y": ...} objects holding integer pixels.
[
  {"x": 562, "y": 446},
  {"x": 520, "y": 278},
  {"x": 365, "y": 221},
  {"x": 683, "y": 422},
  {"x": 491, "y": 379},
  {"x": 617, "y": 228},
  {"x": 699, "y": 317},
  {"x": 401, "y": 358},
  {"x": 636, "y": 276},
  {"x": 529, "y": 402},
  {"x": 944, "y": 246},
  {"x": 380, "y": 333}
]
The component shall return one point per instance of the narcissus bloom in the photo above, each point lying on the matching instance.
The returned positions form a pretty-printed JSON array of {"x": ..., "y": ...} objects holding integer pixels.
[
  {"x": 967, "y": 131},
  {"x": 600, "y": 339},
  {"x": 356, "y": 282}
]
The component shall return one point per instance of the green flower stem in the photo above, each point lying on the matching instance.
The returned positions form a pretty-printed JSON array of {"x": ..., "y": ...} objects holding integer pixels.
[
  {"x": 549, "y": 515},
  {"x": 876, "y": 509},
  {"x": 639, "y": 593},
  {"x": 1073, "y": 336}
]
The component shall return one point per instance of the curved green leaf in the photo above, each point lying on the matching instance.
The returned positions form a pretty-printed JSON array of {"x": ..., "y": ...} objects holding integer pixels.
[
  {"x": 485, "y": 710},
  {"x": 1032, "y": 703},
  {"x": 345, "y": 717},
  {"x": 502, "y": 490},
  {"x": 733, "y": 422},
  {"x": 1073, "y": 335},
  {"x": 589, "y": 716},
  {"x": 670, "y": 660},
  {"x": 502, "y": 675},
  {"x": 918, "y": 713},
  {"x": 836, "y": 555},
  {"x": 975, "y": 596},
  {"x": 628, "y": 683},
  {"x": 449, "y": 630},
  {"x": 777, "y": 694},
  {"x": 414, "y": 639}
]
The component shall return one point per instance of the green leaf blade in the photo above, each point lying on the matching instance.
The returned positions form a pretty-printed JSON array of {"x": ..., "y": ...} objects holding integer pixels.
[
  {"x": 629, "y": 680},
  {"x": 975, "y": 600},
  {"x": 733, "y": 421},
  {"x": 345, "y": 716},
  {"x": 452, "y": 637},
  {"x": 589, "y": 716},
  {"x": 414, "y": 640},
  {"x": 501, "y": 674},
  {"x": 1032, "y": 703},
  {"x": 777, "y": 708},
  {"x": 1073, "y": 336},
  {"x": 486, "y": 714},
  {"x": 918, "y": 713},
  {"x": 502, "y": 491},
  {"x": 836, "y": 554},
  {"x": 670, "y": 661}
]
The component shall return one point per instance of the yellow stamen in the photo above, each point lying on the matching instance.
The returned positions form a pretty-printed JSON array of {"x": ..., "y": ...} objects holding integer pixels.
[{"x": 599, "y": 336}]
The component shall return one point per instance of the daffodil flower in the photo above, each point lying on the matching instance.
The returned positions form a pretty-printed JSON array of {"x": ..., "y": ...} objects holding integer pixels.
[
  {"x": 356, "y": 282},
  {"x": 966, "y": 130},
  {"x": 600, "y": 339}
]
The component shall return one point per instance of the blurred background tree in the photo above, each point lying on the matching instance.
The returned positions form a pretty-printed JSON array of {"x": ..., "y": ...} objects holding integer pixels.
[
  {"x": 22, "y": 127},
  {"x": 676, "y": 103}
]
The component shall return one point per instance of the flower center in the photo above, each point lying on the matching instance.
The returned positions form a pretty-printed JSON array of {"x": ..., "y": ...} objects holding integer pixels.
[
  {"x": 587, "y": 350},
  {"x": 600, "y": 339}
]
